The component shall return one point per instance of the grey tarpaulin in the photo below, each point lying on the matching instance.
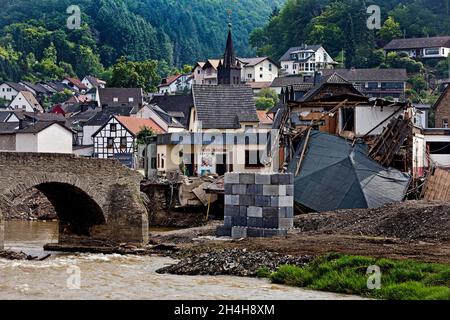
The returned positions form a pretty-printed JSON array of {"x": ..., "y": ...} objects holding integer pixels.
[{"x": 334, "y": 175}]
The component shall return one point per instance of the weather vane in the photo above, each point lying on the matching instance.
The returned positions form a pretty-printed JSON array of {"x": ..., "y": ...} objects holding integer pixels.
[{"x": 230, "y": 13}]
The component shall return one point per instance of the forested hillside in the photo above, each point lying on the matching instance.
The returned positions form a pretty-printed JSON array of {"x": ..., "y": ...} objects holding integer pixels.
[
  {"x": 340, "y": 26},
  {"x": 35, "y": 42}
]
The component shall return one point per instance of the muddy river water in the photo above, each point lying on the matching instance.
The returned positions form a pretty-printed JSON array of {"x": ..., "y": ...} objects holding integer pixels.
[{"x": 97, "y": 276}]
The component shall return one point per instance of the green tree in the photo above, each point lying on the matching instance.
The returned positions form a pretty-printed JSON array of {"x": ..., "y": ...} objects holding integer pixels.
[
  {"x": 130, "y": 74},
  {"x": 144, "y": 134},
  {"x": 263, "y": 103},
  {"x": 390, "y": 30},
  {"x": 418, "y": 83},
  {"x": 61, "y": 97}
]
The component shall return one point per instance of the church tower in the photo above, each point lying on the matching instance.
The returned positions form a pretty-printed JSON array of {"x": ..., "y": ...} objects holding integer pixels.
[{"x": 229, "y": 71}]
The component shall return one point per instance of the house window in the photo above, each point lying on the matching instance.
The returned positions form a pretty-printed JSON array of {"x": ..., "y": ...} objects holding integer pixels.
[
  {"x": 445, "y": 123},
  {"x": 116, "y": 99},
  {"x": 250, "y": 75},
  {"x": 130, "y": 99},
  {"x": 270, "y": 67},
  {"x": 253, "y": 159},
  {"x": 260, "y": 75},
  {"x": 110, "y": 143},
  {"x": 286, "y": 66},
  {"x": 113, "y": 127},
  {"x": 295, "y": 66},
  {"x": 123, "y": 142},
  {"x": 198, "y": 71},
  {"x": 432, "y": 51},
  {"x": 159, "y": 161},
  {"x": 261, "y": 69},
  {"x": 439, "y": 147}
]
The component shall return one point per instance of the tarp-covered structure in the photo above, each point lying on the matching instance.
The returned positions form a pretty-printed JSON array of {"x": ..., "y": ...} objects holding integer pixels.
[{"x": 334, "y": 175}]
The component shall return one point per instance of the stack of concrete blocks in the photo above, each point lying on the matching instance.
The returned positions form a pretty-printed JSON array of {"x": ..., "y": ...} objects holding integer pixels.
[{"x": 258, "y": 205}]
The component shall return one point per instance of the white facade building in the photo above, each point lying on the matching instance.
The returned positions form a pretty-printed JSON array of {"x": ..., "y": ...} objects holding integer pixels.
[
  {"x": 9, "y": 90},
  {"x": 45, "y": 138},
  {"x": 425, "y": 48},
  {"x": 306, "y": 60},
  {"x": 261, "y": 69},
  {"x": 25, "y": 101}
]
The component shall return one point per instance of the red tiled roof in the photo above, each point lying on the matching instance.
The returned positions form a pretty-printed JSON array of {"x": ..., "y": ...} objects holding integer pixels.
[
  {"x": 263, "y": 117},
  {"x": 169, "y": 80},
  {"x": 135, "y": 125}
]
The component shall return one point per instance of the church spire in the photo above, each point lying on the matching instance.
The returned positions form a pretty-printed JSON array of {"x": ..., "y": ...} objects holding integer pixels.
[
  {"x": 229, "y": 71},
  {"x": 229, "y": 58}
]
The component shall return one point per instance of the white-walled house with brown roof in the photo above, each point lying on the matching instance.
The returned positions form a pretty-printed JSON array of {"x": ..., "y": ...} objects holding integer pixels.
[
  {"x": 25, "y": 101},
  {"x": 425, "y": 48}
]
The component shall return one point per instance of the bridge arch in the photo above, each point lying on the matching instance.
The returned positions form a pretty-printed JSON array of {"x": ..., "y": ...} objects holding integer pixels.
[{"x": 97, "y": 201}]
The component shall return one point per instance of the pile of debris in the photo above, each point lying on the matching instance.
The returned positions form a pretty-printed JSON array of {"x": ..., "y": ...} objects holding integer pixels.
[
  {"x": 11, "y": 255},
  {"x": 410, "y": 221},
  {"x": 179, "y": 201},
  {"x": 31, "y": 205},
  {"x": 235, "y": 262}
]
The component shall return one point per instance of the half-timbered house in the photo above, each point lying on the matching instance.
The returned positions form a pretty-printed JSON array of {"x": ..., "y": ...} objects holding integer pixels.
[{"x": 117, "y": 138}]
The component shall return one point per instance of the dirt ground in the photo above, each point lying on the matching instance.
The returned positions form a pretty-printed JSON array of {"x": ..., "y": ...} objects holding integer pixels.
[{"x": 413, "y": 230}]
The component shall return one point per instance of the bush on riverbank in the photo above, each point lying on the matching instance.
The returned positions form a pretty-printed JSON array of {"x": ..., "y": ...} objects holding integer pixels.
[{"x": 400, "y": 280}]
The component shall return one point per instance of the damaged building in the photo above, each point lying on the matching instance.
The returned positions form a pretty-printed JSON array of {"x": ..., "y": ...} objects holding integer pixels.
[{"x": 347, "y": 150}]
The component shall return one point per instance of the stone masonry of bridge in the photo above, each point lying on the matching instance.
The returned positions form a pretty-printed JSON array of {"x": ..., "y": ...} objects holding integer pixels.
[{"x": 97, "y": 201}]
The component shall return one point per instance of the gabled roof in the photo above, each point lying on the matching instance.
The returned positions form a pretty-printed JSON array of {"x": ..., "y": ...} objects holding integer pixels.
[
  {"x": 4, "y": 115},
  {"x": 264, "y": 118},
  {"x": 212, "y": 63},
  {"x": 169, "y": 80},
  {"x": 169, "y": 119},
  {"x": 287, "y": 55},
  {"x": 76, "y": 82},
  {"x": 438, "y": 102},
  {"x": 107, "y": 95},
  {"x": 418, "y": 43},
  {"x": 176, "y": 103},
  {"x": 95, "y": 81},
  {"x": 287, "y": 81},
  {"x": 58, "y": 86},
  {"x": 259, "y": 85},
  {"x": 200, "y": 64},
  {"x": 41, "y": 126},
  {"x": 8, "y": 127},
  {"x": 16, "y": 86},
  {"x": 250, "y": 62},
  {"x": 224, "y": 106},
  {"x": 356, "y": 75},
  {"x": 135, "y": 125},
  {"x": 28, "y": 96},
  {"x": 100, "y": 118},
  {"x": 332, "y": 80},
  {"x": 38, "y": 88}
]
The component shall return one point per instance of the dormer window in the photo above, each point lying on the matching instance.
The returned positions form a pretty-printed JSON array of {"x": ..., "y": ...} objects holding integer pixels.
[
  {"x": 115, "y": 99},
  {"x": 130, "y": 99}
]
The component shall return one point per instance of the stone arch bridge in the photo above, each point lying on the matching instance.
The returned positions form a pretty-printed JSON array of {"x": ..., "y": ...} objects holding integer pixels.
[{"x": 97, "y": 201}]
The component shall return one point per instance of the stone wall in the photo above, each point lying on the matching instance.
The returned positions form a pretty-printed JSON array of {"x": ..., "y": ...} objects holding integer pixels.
[
  {"x": 258, "y": 205},
  {"x": 108, "y": 191}
]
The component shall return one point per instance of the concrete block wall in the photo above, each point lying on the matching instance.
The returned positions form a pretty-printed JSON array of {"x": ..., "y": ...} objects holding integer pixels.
[{"x": 258, "y": 205}]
